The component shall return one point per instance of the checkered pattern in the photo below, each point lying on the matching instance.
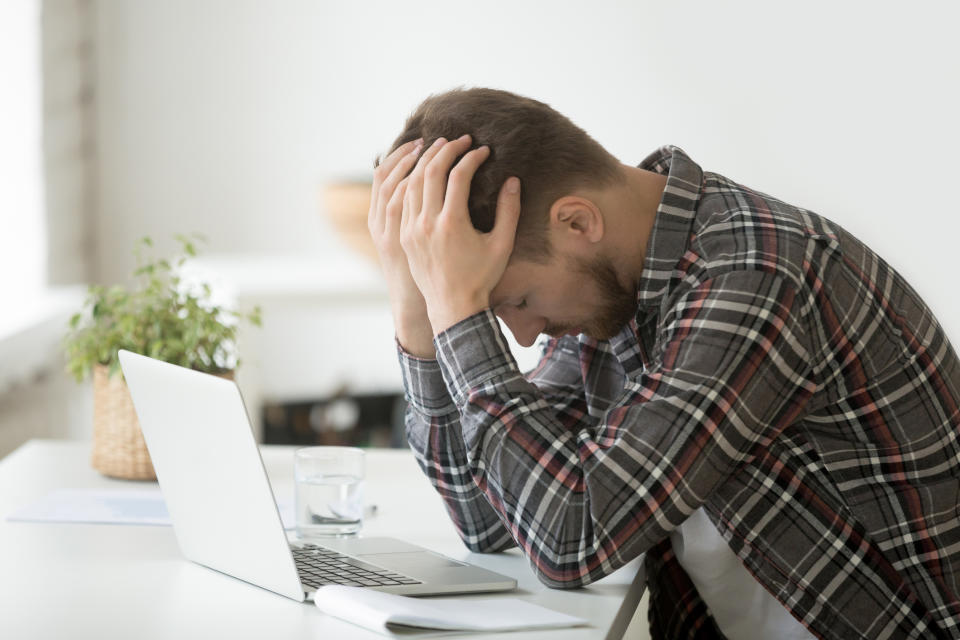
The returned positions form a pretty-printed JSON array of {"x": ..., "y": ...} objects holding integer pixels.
[{"x": 778, "y": 373}]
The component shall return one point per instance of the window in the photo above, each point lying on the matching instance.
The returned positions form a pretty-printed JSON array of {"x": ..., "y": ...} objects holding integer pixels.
[{"x": 22, "y": 224}]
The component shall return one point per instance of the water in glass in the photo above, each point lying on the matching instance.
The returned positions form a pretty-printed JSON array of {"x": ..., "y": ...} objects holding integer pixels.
[{"x": 329, "y": 504}]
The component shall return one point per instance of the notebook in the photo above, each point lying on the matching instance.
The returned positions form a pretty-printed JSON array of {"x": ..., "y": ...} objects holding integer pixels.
[{"x": 392, "y": 614}]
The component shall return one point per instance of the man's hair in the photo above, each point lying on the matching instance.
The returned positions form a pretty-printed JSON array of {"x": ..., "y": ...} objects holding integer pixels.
[{"x": 528, "y": 139}]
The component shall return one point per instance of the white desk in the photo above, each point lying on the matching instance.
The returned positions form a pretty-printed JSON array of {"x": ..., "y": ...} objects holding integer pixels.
[{"x": 121, "y": 581}]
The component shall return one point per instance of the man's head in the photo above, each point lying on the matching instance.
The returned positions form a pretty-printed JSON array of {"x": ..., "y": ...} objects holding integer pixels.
[
  {"x": 584, "y": 217},
  {"x": 528, "y": 139}
]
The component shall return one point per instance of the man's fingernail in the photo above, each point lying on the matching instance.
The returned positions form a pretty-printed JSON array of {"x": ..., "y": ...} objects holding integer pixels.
[{"x": 513, "y": 185}]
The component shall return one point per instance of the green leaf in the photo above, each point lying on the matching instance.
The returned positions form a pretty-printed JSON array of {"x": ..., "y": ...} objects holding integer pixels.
[{"x": 155, "y": 318}]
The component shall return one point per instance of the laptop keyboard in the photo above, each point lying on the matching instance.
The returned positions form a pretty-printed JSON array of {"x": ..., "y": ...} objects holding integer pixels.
[{"x": 319, "y": 566}]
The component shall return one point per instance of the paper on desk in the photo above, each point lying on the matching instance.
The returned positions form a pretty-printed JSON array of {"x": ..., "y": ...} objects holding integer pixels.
[
  {"x": 111, "y": 506},
  {"x": 386, "y": 612}
]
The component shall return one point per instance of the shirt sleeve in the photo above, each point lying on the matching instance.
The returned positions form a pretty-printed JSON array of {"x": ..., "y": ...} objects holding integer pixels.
[
  {"x": 432, "y": 424},
  {"x": 731, "y": 370},
  {"x": 434, "y": 433}
]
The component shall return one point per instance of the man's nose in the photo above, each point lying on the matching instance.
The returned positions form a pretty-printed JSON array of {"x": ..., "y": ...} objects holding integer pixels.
[{"x": 524, "y": 326}]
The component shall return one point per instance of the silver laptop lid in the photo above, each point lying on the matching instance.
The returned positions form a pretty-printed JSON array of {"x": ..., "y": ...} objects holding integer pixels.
[{"x": 211, "y": 473}]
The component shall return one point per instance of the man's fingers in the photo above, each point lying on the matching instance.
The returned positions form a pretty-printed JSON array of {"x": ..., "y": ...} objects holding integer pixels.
[
  {"x": 394, "y": 209},
  {"x": 415, "y": 186},
  {"x": 437, "y": 170},
  {"x": 383, "y": 173},
  {"x": 389, "y": 186},
  {"x": 508, "y": 213},
  {"x": 458, "y": 184},
  {"x": 385, "y": 167}
]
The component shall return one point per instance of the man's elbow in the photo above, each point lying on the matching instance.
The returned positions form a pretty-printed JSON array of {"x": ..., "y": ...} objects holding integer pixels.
[
  {"x": 485, "y": 544},
  {"x": 555, "y": 578},
  {"x": 479, "y": 547}
]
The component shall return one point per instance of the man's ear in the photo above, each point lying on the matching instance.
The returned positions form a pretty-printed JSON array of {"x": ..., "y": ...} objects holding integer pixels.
[{"x": 576, "y": 219}]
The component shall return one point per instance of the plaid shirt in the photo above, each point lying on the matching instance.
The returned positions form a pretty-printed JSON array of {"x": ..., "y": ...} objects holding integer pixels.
[{"x": 777, "y": 373}]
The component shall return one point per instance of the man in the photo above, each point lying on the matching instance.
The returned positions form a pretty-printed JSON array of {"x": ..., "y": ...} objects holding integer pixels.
[{"x": 726, "y": 374}]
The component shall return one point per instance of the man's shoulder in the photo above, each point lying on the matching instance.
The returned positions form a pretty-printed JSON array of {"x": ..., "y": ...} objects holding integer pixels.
[{"x": 737, "y": 227}]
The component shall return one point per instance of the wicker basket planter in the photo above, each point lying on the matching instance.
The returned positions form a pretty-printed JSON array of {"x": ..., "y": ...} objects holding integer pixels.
[{"x": 118, "y": 447}]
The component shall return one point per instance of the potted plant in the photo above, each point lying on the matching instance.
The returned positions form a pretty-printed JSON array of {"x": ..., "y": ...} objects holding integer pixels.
[{"x": 161, "y": 316}]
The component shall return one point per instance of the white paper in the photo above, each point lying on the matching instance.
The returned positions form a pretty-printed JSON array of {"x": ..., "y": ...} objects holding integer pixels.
[
  {"x": 111, "y": 506},
  {"x": 379, "y": 611}
]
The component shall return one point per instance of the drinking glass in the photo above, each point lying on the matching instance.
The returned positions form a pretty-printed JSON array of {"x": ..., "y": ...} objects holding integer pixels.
[{"x": 329, "y": 491}]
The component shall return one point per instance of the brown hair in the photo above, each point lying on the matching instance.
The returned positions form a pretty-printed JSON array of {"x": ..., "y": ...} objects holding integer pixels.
[{"x": 528, "y": 139}]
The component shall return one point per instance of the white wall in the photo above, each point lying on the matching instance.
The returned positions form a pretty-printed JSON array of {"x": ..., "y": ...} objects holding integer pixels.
[{"x": 226, "y": 116}]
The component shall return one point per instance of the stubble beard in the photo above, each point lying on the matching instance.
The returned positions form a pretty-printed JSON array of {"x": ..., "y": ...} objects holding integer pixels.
[{"x": 618, "y": 303}]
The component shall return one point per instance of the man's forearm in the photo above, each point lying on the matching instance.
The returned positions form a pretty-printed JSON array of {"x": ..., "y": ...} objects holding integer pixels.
[
  {"x": 438, "y": 447},
  {"x": 414, "y": 332},
  {"x": 433, "y": 432}
]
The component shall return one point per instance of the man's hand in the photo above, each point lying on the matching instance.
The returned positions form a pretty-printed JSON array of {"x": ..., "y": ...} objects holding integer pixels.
[
  {"x": 386, "y": 202},
  {"x": 454, "y": 265}
]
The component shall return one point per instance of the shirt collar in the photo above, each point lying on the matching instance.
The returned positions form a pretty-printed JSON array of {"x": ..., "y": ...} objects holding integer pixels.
[{"x": 673, "y": 225}]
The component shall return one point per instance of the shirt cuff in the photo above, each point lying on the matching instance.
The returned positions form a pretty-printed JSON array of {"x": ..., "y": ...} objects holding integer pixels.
[
  {"x": 424, "y": 388},
  {"x": 473, "y": 352}
]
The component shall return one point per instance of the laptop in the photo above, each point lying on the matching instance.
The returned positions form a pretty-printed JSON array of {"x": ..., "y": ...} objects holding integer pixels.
[{"x": 222, "y": 507}]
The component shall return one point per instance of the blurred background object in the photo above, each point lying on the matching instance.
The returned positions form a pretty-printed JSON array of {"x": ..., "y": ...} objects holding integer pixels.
[
  {"x": 346, "y": 204},
  {"x": 126, "y": 118},
  {"x": 365, "y": 420}
]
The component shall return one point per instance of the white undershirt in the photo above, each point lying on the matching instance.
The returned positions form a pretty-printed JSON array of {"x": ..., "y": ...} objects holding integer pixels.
[{"x": 741, "y": 607}]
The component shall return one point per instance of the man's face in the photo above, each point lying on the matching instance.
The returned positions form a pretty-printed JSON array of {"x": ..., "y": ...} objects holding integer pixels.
[{"x": 568, "y": 295}]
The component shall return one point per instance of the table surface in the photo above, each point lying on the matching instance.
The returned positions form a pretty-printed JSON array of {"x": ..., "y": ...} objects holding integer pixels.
[{"x": 128, "y": 581}]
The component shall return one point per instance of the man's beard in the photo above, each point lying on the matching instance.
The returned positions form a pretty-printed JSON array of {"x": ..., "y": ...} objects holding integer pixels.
[{"x": 618, "y": 304}]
